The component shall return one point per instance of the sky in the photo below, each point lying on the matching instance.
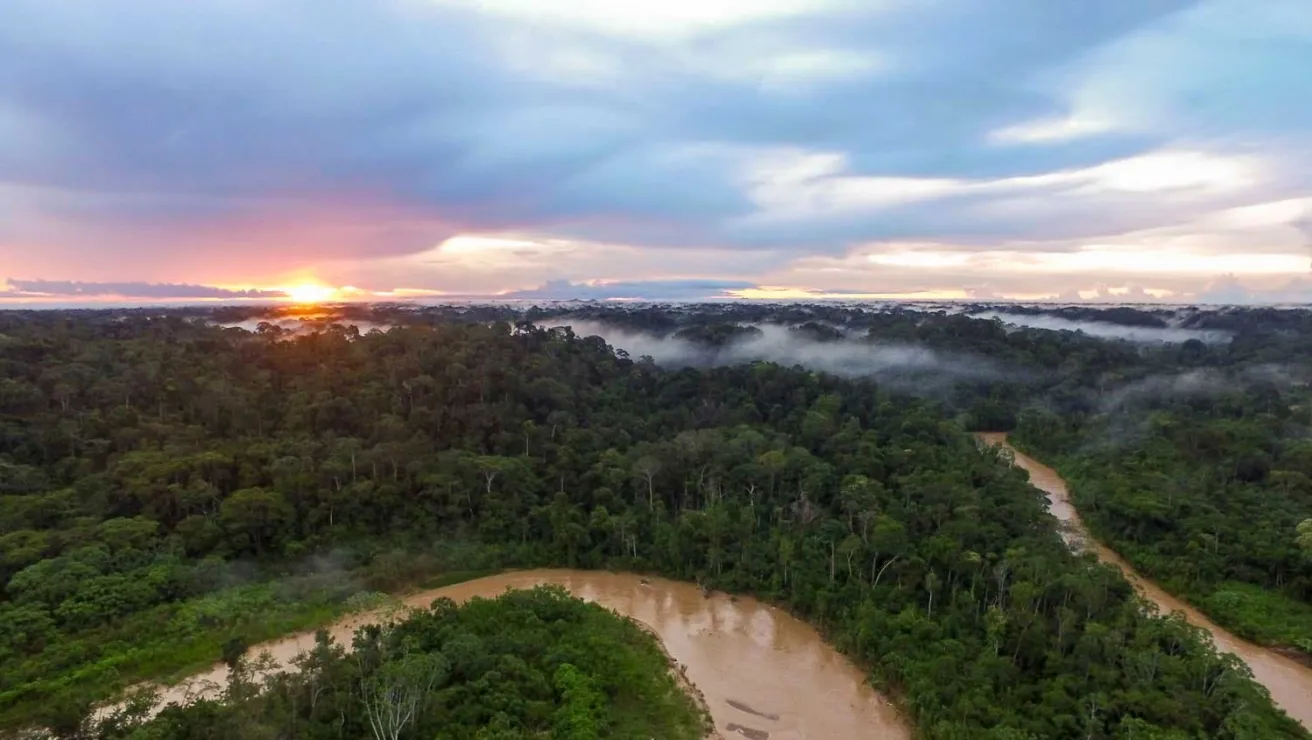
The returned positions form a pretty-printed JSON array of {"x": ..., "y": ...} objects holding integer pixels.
[{"x": 247, "y": 150}]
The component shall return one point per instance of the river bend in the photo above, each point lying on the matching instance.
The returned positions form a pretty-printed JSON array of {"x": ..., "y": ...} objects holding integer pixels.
[
  {"x": 1289, "y": 682},
  {"x": 764, "y": 674}
]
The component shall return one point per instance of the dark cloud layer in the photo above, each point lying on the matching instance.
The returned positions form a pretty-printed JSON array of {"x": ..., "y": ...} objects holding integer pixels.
[
  {"x": 156, "y": 291},
  {"x": 193, "y": 141},
  {"x": 178, "y": 113}
]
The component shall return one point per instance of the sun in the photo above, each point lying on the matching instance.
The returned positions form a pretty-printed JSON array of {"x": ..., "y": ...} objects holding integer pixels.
[{"x": 310, "y": 293}]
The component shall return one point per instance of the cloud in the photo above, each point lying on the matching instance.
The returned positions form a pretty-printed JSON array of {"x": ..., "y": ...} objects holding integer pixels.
[
  {"x": 1230, "y": 290},
  {"x": 1106, "y": 329},
  {"x": 1200, "y": 383},
  {"x": 912, "y": 368},
  {"x": 654, "y": 290},
  {"x": 356, "y": 139},
  {"x": 673, "y": 18},
  {"x": 152, "y": 291}
]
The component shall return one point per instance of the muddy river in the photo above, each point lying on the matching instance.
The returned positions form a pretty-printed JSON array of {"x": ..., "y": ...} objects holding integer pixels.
[
  {"x": 768, "y": 676},
  {"x": 764, "y": 674},
  {"x": 1289, "y": 682}
]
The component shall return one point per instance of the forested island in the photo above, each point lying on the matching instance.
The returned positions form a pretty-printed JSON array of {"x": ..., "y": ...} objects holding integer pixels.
[
  {"x": 531, "y": 663},
  {"x": 177, "y": 484}
]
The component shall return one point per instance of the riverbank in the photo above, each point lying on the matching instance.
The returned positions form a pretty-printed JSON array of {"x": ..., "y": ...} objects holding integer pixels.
[
  {"x": 1289, "y": 682},
  {"x": 765, "y": 716},
  {"x": 680, "y": 675},
  {"x": 756, "y": 668},
  {"x": 1260, "y": 614},
  {"x": 165, "y": 645},
  {"x": 160, "y": 644},
  {"x": 529, "y": 662}
]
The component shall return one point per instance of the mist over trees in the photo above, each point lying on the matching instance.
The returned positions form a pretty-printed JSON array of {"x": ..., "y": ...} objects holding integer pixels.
[{"x": 163, "y": 479}]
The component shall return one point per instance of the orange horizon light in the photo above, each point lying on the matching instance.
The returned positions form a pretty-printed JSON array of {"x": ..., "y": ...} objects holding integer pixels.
[{"x": 308, "y": 293}]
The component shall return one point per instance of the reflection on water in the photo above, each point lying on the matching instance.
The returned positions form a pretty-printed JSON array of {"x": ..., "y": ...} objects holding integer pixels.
[
  {"x": 761, "y": 670},
  {"x": 764, "y": 674},
  {"x": 1289, "y": 682}
]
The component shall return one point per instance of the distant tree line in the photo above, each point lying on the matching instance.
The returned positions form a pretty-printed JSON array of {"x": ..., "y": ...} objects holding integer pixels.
[{"x": 144, "y": 455}]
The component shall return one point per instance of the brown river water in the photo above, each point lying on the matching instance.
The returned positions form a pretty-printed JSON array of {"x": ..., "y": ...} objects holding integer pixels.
[
  {"x": 1289, "y": 682},
  {"x": 764, "y": 675}
]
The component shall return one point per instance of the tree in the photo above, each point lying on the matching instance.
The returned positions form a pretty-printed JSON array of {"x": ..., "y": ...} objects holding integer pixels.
[
  {"x": 580, "y": 713},
  {"x": 392, "y": 693},
  {"x": 134, "y": 495},
  {"x": 257, "y": 517},
  {"x": 646, "y": 469}
]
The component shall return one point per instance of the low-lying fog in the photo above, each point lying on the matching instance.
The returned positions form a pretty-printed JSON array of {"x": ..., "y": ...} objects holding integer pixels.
[
  {"x": 846, "y": 357},
  {"x": 1106, "y": 329},
  {"x": 1204, "y": 382},
  {"x": 301, "y": 325}
]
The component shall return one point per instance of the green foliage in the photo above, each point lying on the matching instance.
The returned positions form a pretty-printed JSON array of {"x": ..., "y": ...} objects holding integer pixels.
[
  {"x": 580, "y": 711},
  {"x": 534, "y": 663},
  {"x": 1260, "y": 614},
  {"x": 1209, "y": 499},
  {"x": 868, "y": 513}
]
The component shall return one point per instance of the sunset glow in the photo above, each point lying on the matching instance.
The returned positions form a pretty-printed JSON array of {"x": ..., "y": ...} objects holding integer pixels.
[
  {"x": 672, "y": 150},
  {"x": 311, "y": 293}
]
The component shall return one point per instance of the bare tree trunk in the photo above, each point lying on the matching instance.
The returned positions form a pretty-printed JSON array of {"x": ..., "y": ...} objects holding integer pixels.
[
  {"x": 831, "y": 562},
  {"x": 881, "y": 572}
]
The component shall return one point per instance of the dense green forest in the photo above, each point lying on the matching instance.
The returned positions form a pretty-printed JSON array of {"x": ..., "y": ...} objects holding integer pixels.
[
  {"x": 165, "y": 480},
  {"x": 1204, "y": 492},
  {"x": 1191, "y": 458},
  {"x": 533, "y": 663}
]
